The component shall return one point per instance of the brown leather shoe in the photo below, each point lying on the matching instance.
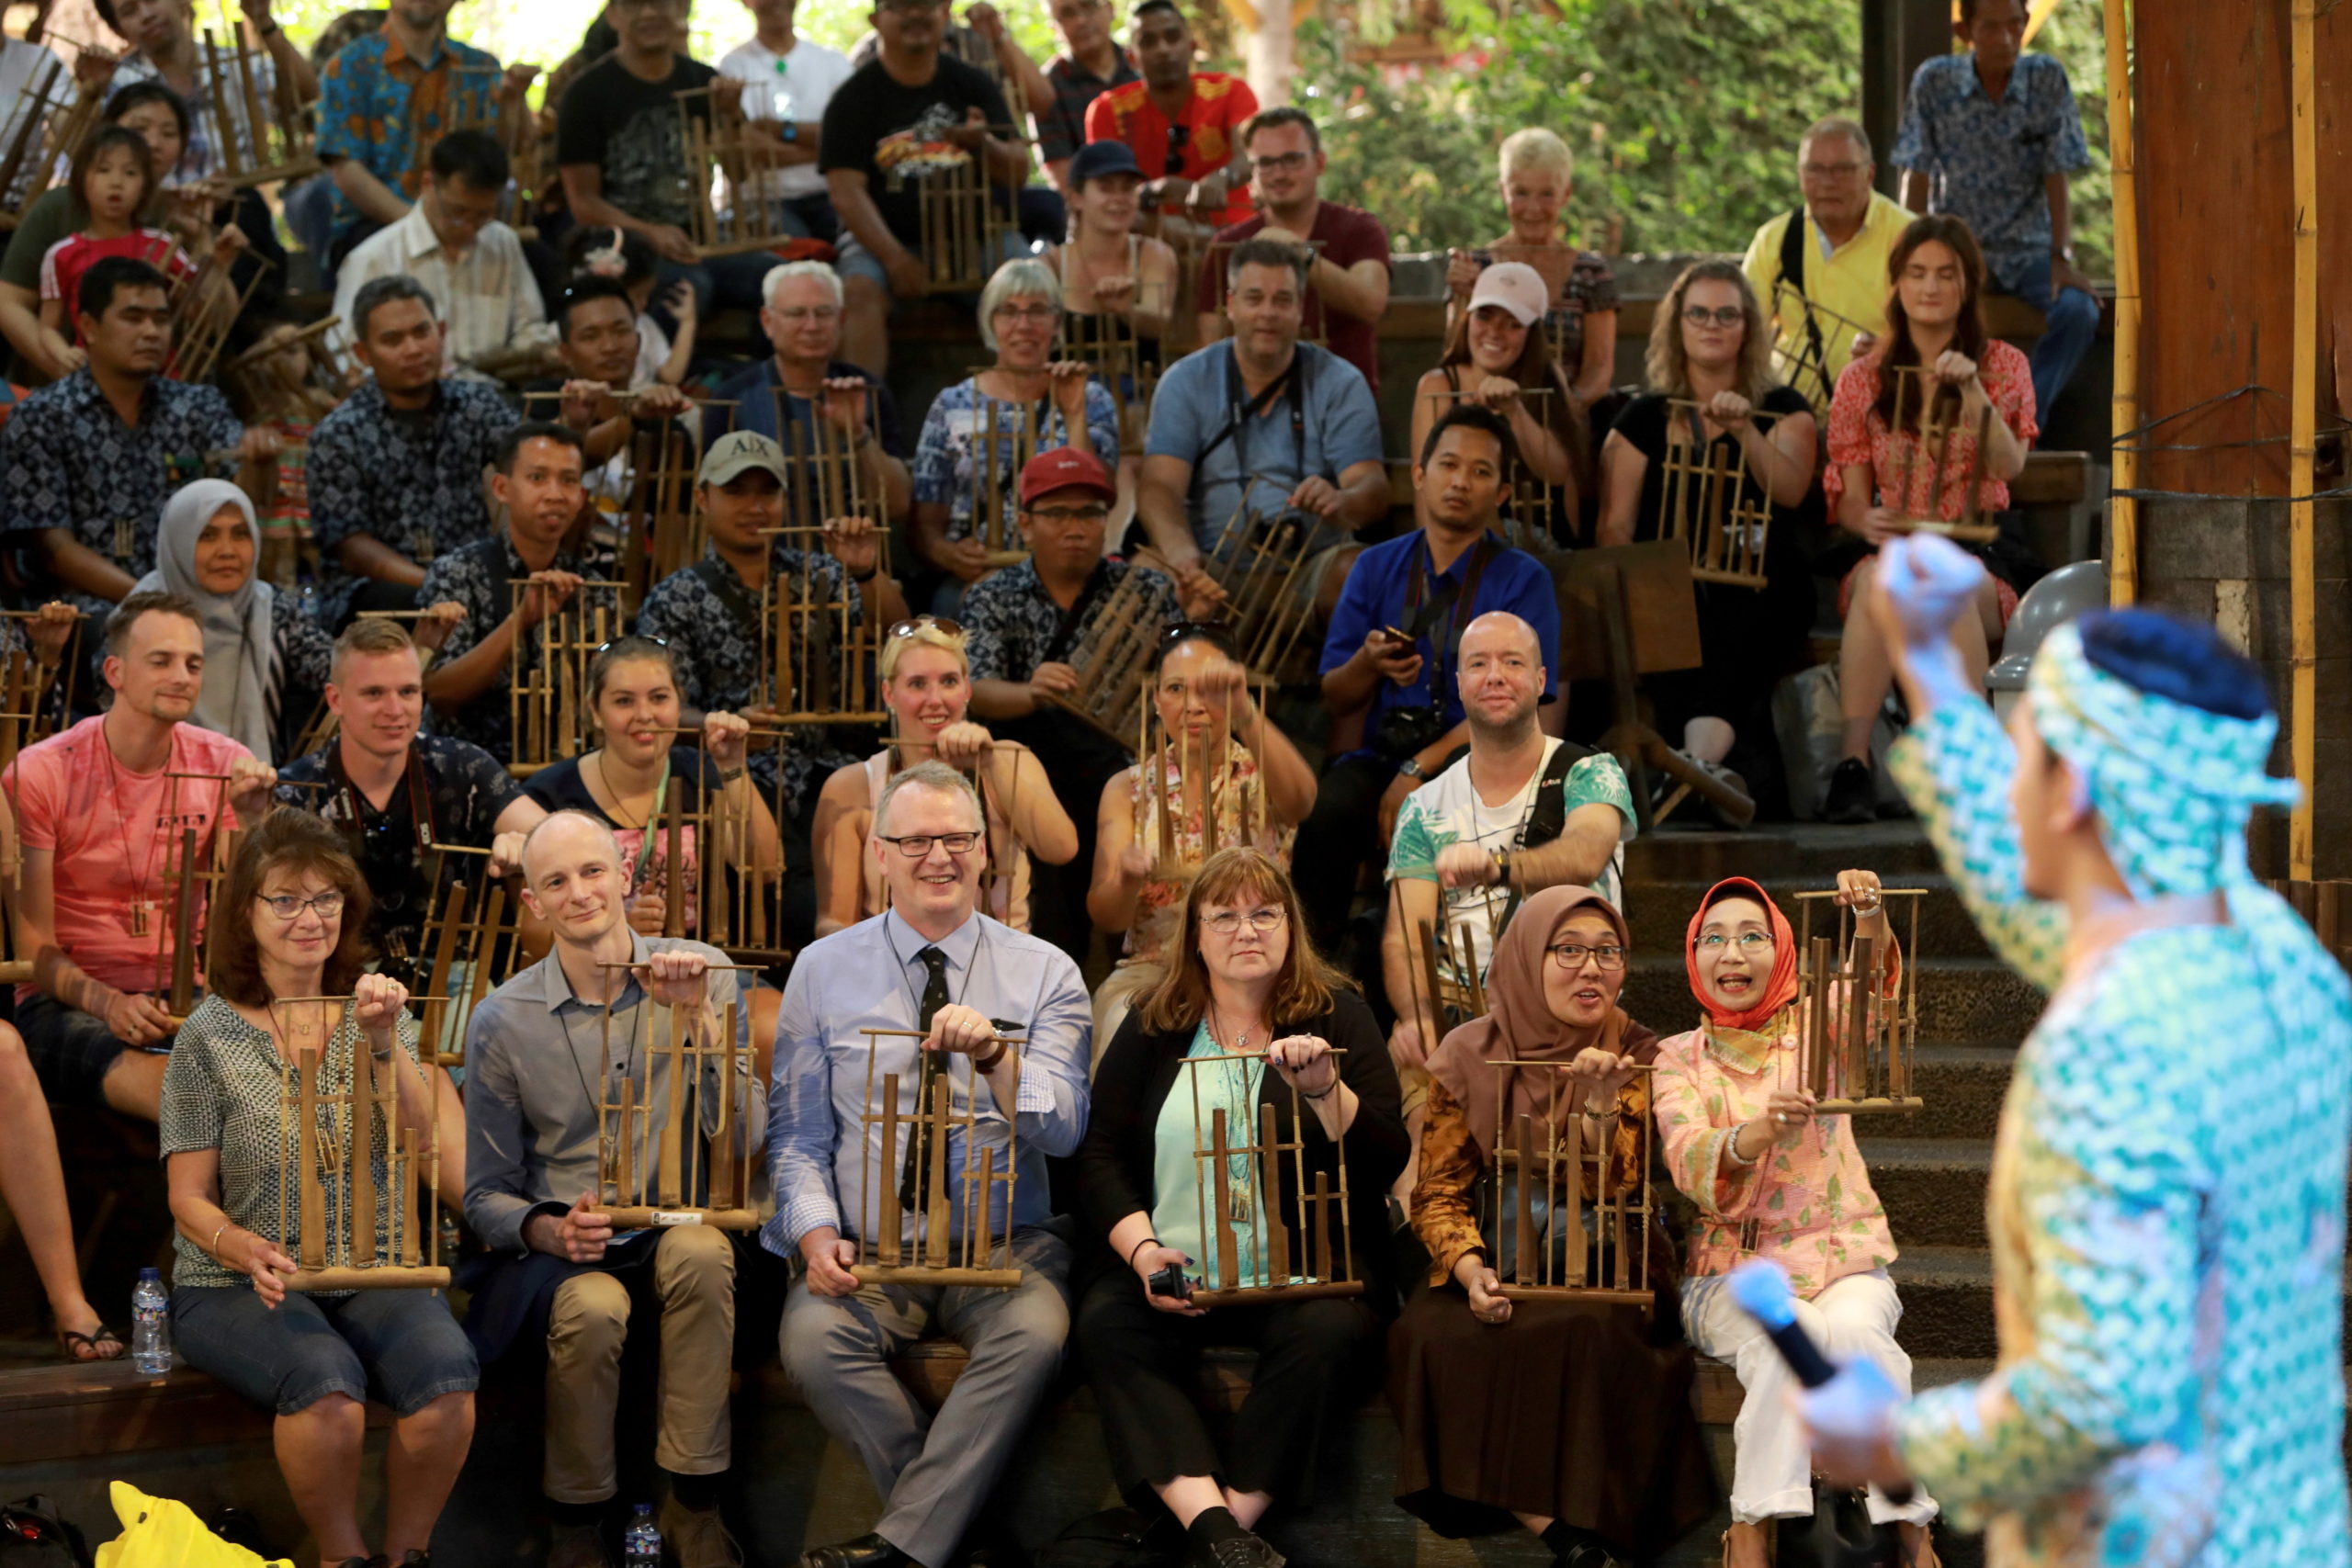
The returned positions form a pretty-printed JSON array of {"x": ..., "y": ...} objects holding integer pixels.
[{"x": 697, "y": 1538}]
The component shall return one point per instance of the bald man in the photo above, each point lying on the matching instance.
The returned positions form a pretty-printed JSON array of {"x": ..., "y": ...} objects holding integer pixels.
[
  {"x": 1515, "y": 812},
  {"x": 533, "y": 1048}
]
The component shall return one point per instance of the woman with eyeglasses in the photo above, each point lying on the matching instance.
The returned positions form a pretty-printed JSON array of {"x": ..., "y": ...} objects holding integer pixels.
[
  {"x": 1713, "y": 405},
  {"x": 1538, "y": 174},
  {"x": 1770, "y": 1178},
  {"x": 1224, "y": 776},
  {"x": 1571, "y": 1418},
  {"x": 287, "y": 926},
  {"x": 646, "y": 762},
  {"x": 1054, "y": 399},
  {"x": 927, "y": 686},
  {"x": 1270, "y": 1026},
  {"x": 1497, "y": 356}
]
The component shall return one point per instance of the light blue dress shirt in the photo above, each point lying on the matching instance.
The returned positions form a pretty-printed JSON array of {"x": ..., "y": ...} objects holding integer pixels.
[{"x": 868, "y": 978}]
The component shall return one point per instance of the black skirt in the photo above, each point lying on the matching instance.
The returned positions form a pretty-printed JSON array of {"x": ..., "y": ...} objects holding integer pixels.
[{"x": 1574, "y": 1410}]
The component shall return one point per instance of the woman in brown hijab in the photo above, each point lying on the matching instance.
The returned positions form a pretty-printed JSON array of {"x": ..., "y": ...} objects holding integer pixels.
[{"x": 1572, "y": 1418}]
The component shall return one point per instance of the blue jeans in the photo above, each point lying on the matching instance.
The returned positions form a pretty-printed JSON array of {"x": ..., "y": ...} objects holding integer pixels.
[
  {"x": 71, "y": 1050},
  {"x": 403, "y": 1343},
  {"x": 721, "y": 282},
  {"x": 2069, "y": 326}
]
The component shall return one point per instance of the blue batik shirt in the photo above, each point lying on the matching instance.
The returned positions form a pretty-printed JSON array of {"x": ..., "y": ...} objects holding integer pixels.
[{"x": 1986, "y": 162}]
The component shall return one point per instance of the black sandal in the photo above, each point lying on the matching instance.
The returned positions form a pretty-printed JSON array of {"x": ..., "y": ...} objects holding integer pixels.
[{"x": 71, "y": 1344}]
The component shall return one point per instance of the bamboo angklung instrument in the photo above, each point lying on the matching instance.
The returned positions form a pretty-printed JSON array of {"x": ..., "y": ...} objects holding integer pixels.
[
  {"x": 1713, "y": 501},
  {"x": 1915, "y": 389},
  {"x": 1856, "y": 1045},
  {"x": 993, "y": 504},
  {"x": 547, "y": 674},
  {"x": 930, "y": 1251},
  {"x": 964, "y": 220},
  {"x": 673, "y": 1147},
  {"x": 1290, "y": 1257},
  {"x": 1561, "y": 1227}
]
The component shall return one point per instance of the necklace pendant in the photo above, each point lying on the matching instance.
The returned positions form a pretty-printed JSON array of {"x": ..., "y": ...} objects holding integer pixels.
[
  {"x": 1239, "y": 1209},
  {"x": 139, "y": 917}
]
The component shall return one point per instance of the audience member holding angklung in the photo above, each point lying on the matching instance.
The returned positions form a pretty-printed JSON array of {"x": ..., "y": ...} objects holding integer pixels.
[
  {"x": 1247, "y": 985},
  {"x": 1160, "y": 820},
  {"x": 293, "y": 908},
  {"x": 1496, "y": 354},
  {"x": 933, "y": 964},
  {"x": 556, "y": 1268},
  {"x": 1580, "y": 292},
  {"x": 1885, "y": 463},
  {"x": 1771, "y": 1177},
  {"x": 396, "y": 796},
  {"x": 926, "y": 685},
  {"x": 1617, "y": 1383},
  {"x": 102, "y": 824},
  {"x": 1829, "y": 309},
  {"x": 1696, "y": 473},
  {"x": 1106, "y": 267},
  {"x": 599, "y": 394}
]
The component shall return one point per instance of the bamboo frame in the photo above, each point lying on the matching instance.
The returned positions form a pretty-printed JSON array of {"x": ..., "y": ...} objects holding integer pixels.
[
  {"x": 818, "y": 655},
  {"x": 1111, "y": 346},
  {"x": 823, "y": 477},
  {"x": 1857, "y": 1047},
  {"x": 194, "y": 871},
  {"x": 664, "y": 1159},
  {"x": 2302, "y": 531},
  {"x": 1791, "y": 363},
  {"x": 1914, "y": 389},
  {"x": 2123, "y": 508},
  {"x": 729, "y": 897},
  {"x": 718, "y": 136},
  {"x": 1113, "y": 660},
  {"x": 1734, "y": 518},
  {"x": 547, "y": 674},
  {"x": 477, "y": 108},
  {"x": 1534, "y": 499},
  {"x": 997, "y": 482},
  {"x": 661, "y": 530},
  {"x": 964, "y": 220},
  {"x": 1315, "y": 1271},
  {"x": 1261, "y": 561},
  {"x": 205, "y": 307},
  {"x": 259, "y": 137},
  {"x": 469, "y": 949},
  {"x": 931, "y": 1254},
  {"x": 1606, "y": 1259},
  {"x": 349, "y": 1259},
  {"x": 1212, "y": 765},
  {"x": 51, "y": 118}
]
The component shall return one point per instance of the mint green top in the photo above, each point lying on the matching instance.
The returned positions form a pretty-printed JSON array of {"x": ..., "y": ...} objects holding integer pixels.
[{"x": 1180, "y": 1199}]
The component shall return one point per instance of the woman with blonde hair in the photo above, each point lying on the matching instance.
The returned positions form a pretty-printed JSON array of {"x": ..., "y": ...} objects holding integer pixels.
[
  {"x": 1538, "y": 173},
  {"x": 927, "y": 686},
  {"x": 1714, "y": 403},
  {"x": 1276, "y": 1029},
  {"x": 1021, "y": 315}
]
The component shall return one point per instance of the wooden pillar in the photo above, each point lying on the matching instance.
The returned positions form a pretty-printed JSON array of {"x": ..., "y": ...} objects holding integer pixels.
[{"x": 1896, "y": 36}]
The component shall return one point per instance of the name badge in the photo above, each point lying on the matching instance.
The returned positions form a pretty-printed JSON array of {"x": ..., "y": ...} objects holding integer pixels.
[{"x": 663, "y": 1217}]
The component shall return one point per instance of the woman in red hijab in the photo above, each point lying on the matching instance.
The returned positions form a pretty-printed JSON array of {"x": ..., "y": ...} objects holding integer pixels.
[{"x": 1771, "y": 1178}]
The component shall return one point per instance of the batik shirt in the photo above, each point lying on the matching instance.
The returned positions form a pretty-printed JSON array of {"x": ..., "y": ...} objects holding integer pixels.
[
  {"x": 1236, "y": 813},
  {"x": 385, "y": 109},
  {"x": 712, "y": 625},
  {"x": 68, "y": 461},
  {"x": 950, "y": 455},
  {"x": 413, "y": 481},
  {"x": 480, "y": 577},
  {"x": 2167, "y": 1214},
  {"x": 1986, "y": 162},
  {"x": 1011, "y": 623}
]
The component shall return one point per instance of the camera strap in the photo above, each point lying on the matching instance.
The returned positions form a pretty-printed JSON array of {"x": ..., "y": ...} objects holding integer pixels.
[
  {"x": 1239, "y": 411},
  {"x": 1422, "y": 616}
]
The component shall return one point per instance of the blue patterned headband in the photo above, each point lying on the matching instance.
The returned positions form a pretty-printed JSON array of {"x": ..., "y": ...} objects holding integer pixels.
[{"x": 2173, "y": 785}]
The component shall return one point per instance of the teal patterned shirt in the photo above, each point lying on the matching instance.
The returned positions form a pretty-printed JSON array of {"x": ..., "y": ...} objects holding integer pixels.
[{"x": 2167, "y": 1210}]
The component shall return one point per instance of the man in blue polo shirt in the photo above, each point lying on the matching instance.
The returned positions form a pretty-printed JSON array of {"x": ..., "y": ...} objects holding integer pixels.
[
  {"x": 1991, "y": 136},
  {"x": 1388, "y": 663}
]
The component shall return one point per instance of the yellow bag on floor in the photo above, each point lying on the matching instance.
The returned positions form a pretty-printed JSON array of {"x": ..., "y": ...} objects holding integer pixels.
[{"x": 160, "y": 1533}]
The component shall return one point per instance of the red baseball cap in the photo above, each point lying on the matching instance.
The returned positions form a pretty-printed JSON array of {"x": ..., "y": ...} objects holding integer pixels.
[{"x": 1066, "y": 467}]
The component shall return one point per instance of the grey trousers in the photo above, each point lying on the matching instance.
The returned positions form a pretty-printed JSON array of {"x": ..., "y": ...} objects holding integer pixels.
[{"x": 933, "y": 1473}]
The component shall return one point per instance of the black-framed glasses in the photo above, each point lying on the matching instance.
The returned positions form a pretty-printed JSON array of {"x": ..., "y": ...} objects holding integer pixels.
[
  {"x": 1570, "y": 955},
  {"x": 914, "y": 623},
  {"x": 289, "y": 906},
  {"x": 1280, "y": 164},
  {"x": 1059, "y": 515},
  {"x": 1700, "y": 316},
  {"x": 1225, "y": 922},
  {"x": 914, "y": 846}
]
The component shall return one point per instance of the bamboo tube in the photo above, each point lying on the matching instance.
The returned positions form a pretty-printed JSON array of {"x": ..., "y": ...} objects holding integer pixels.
[
  {"x": 2300, "y": 547},
  {"x": 2123, "y": 511}
]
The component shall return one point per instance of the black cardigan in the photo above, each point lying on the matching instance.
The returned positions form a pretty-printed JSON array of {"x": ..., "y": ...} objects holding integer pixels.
[{"x": 1138, "y": 1072}]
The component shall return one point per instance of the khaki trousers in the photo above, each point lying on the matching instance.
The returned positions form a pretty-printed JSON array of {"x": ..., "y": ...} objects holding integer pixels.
[{"x": 694, "y": 1284}]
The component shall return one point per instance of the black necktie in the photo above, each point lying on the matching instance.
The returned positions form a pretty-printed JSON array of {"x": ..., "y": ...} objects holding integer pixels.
[{"x": 915, "y": 1175}]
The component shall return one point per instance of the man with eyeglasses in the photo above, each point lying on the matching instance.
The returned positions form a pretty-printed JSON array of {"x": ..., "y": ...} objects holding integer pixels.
[
  {"x": 396, "y": 794},
  {"x": 101, "y": 821},
  {"x": 557, "y": 1269},
  {"x": 935, "y": 965},
  {"x": 536, "y": 481},
  {"x": 1514, "y": 812},
  {"x": 912, "y": 113},
  {"x": 786, "y": 397},
  {"x": 1179, "y": 122},
  {"x": 1347, "y": 277},
  {"x": 710, "y": 616},
  {"x": 1820, "y": 270}
]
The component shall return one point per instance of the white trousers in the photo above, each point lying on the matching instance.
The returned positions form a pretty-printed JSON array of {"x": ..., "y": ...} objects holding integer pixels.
[{"x": 1773, "y": 1471}]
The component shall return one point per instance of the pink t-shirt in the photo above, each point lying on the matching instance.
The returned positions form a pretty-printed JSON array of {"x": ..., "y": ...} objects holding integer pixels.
[{"x": 112, "y": 831}]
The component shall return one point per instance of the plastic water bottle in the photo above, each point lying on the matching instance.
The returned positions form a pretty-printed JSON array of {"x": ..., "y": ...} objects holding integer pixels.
[
  {"x": 309, "y": 599},
  {"x": 151, "y": 1324},
  {"x": 642, "y": 1543}
]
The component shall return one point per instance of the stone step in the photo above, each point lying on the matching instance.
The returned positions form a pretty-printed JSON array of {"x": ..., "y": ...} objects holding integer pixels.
[
  {"x": 1782, "y": 850},
  {"x": 1959, "y": 1000},
  {"x": 1962, "y": 1086},
  {"x": 1933, "y": 1188},
  {"x": 1658, "y": 911},
  {"x": 1947, "y": 1302}
]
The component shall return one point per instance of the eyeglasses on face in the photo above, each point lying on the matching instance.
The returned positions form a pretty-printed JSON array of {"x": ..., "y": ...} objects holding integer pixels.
[
  {"x": 1700, "y": 316},
  {"x": 1830, "y": 171},
  {"x": 1280, "y": 164},
  {"x": 1055, "y": 516},
  {"x": 1749, "y": 942},
  {"x": 1225, "y": 922},
  {"x": 1038, "y": 313},
  {"x": 794, "y": 315},
  {"x": 914, "y": 846},
  {"x": 914, "y": 623},
  {"x": 1570, "y": 955},
  {"x": 289, "y": 907}
]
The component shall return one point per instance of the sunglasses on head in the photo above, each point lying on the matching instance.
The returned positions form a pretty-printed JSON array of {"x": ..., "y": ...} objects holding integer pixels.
[{"x": 914, "y": 623}]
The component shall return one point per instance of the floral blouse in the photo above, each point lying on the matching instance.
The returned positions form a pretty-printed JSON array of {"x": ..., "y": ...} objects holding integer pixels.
[
  {"x": 1809, "y": 1205},
  {"x": 1858, "y": 436},
  {"x": 1163, "y": 896}
]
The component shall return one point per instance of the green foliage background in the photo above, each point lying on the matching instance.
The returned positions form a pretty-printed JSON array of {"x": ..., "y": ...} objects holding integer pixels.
[{"x": 1684, "y": 113}]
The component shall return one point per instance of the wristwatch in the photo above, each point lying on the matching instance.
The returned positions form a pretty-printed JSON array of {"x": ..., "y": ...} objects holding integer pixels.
[
  {"x": 1411, "y": 768},
  {"x": 1502, "y": 867}
]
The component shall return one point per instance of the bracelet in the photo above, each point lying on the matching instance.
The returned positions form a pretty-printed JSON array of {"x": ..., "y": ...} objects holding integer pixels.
[
  {"x": 729, "y": 775},
  {"x": 994, "y": 1057},
  {"x": 1148, "y": 1241},
  {"x": 1325, "y": 1095},
  {"x": 215, "y": 1247},
  {"x": 871, "y": 573}
]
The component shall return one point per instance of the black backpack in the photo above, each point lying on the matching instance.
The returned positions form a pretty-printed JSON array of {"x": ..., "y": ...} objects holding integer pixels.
[{"x": 33, "y": 1534}]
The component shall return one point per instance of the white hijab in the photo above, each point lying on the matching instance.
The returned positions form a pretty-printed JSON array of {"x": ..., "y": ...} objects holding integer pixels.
[{"x": 235, "y": 699}]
